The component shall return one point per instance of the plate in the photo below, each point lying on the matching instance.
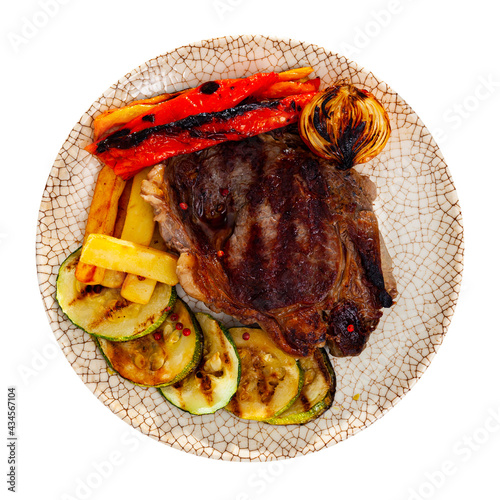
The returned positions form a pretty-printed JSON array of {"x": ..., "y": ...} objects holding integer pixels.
[{"x": 419, "y": 217}]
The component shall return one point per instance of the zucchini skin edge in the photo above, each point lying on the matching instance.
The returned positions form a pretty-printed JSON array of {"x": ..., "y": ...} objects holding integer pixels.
[
  {"x": 151, "y": 328},
  {"x": 192, "y": 366},
  {"x": 319, "y": 408},
  {"x": 226, "y": 333}
]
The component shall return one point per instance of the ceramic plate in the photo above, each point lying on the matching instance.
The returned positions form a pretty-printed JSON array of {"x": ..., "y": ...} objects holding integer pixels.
[{"x": 419, "y": 217}]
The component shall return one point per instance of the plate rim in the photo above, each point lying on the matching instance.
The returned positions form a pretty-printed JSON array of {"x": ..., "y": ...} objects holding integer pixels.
[{"x": 458, "y": 259}]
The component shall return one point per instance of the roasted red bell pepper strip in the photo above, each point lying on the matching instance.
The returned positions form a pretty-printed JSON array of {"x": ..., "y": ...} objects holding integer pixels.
[
  {"x": 127, "y": 154},
  {"x": 109, "y": 121},
  {"x": 209, "y": 97}
]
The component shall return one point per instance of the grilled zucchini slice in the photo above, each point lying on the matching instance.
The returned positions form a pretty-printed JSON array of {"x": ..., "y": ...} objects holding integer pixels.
[
  {"x": 270, "y": 379},
  {"x": 214, "y": 382},
  {"x": 103, "y": 312},
  {"x": 317, "y": 393},
  {"x": 160, "y": 358}
]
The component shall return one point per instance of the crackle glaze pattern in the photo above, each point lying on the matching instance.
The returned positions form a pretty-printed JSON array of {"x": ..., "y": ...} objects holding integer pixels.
[{"x": 418, "y": 213}]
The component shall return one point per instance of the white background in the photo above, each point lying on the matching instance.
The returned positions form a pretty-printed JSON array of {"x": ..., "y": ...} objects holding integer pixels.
[{"x": 441, "y": 441}]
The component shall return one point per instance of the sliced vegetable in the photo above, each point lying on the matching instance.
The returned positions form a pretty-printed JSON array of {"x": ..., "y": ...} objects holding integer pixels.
[
  {"x": 270, "y": 379},
  {"x": 157, "y": 99},
  {"x": 128, "y": 154},
  {"x": 120, "y": 255},
  {"x": 317, "y": 393},
  {"x": 138, "y": 228},
  {"x": 103, "y": 311},
  {"x": 213, "y": 383},
  {"x": 159, "y": 358},
  {"x": 122, "y": 209},
  {"x": 111, "y": 120},
  {"x": 139, "y": 222},
  {"x": 116, "y": 117},
  {"x": 137, "y": 288},
  {"x": 101, "y": 218},
  {"x": 113, "y": 279},
  {"x": 295, "y": 74},
  {"x": 285, "y": 89},
  {"x": 207, "y": 98}
]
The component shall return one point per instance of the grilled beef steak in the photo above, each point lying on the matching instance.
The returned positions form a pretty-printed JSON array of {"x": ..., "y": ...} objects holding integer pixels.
[{"x": 269, "y": 233}]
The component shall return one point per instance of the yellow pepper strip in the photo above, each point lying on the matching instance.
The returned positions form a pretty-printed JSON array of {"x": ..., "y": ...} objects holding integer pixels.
[
  {"x": 114, "y": 117},
  {"x": 294, "y": 74}
]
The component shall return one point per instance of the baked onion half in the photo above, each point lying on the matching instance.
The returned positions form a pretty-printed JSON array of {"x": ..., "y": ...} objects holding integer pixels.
[{"x": 345, "y": 125}]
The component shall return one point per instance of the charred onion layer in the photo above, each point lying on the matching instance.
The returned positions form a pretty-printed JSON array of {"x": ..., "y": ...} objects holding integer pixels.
[{"x": 345, "y": 125}]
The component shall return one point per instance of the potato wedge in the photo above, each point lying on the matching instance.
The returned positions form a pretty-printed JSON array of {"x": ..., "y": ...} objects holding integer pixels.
[
  {"x": 114, "y": 279},
  {"x": 120, "y": 255},
  {"x": 139, "y": 222},
  {"x": 122, "y": 209},
  {"x": 102, "y": 217},
  {"x": 138, "y": 228},
  {"x": 137, "y": 288},
  {"x": 90, "y": 275}
]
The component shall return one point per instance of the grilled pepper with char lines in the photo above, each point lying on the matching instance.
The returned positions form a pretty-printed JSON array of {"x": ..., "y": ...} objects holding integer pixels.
[{"x": 130, "y": 149}]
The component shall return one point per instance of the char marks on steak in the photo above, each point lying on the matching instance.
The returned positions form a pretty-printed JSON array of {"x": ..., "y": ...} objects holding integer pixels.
[{"x": 300, "y": 242}]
